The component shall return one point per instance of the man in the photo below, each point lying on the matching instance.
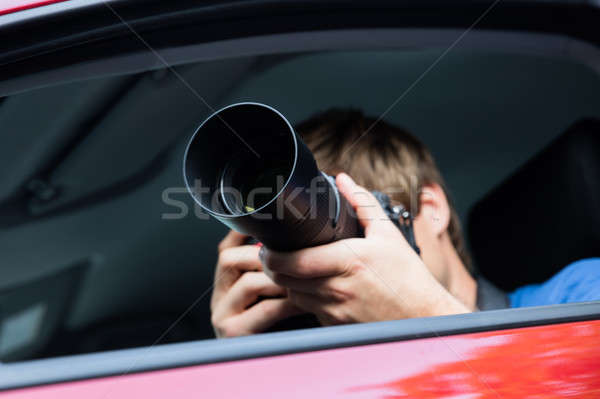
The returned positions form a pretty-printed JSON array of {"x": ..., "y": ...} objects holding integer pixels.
[{"x": 378, "y": 277}]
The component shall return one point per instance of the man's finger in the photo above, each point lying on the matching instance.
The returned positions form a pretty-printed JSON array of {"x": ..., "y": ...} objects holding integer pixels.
[
  {"x": 237, "y": 260},
  {"x": 261, "y": 316},
  {"x": 233, "y": 262},
  {"x": 368, "y": 210},
  {"x": 321, "y": 261},
  {"x": 246, "y": 290},
  {"x": 232, "y": 239},
  {"x": 323, "y": 287}
]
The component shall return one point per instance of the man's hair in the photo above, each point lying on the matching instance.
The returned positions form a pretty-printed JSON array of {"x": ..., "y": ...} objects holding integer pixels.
[{"x": 379, "y": 156}]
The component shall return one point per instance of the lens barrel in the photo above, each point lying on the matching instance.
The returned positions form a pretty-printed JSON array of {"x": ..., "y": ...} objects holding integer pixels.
[{"x": 247, "y": 167}]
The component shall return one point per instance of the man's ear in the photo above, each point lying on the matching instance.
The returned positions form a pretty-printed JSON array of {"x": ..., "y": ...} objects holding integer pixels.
[{"x": 434, "y": 209}]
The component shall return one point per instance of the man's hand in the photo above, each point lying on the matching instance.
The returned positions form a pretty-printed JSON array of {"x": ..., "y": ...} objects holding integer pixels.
[
  {"x": 239, "y": 282},
  {"x": 378, "y": 277}
]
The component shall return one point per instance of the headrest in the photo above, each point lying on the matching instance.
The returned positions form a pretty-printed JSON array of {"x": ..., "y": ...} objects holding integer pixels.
[{"x": 545, "y": 216}]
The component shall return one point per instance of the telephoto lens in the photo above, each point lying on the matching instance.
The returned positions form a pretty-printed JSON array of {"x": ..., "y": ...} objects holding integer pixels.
[{"x": 247, "y": 167}]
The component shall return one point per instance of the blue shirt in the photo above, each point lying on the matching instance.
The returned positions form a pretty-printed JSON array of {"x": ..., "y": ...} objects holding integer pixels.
[{"x": 578, "y": 282}]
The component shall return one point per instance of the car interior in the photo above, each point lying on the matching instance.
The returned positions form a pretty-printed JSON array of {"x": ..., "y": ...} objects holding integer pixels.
[{"x": 104, "y": 249}]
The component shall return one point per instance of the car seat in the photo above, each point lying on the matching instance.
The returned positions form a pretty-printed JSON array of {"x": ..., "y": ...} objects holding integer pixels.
[{"x": 543, "y": 217}]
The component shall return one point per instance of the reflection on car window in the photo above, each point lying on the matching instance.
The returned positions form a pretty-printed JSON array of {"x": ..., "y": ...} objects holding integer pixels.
[{"x": 104, "y": 248}]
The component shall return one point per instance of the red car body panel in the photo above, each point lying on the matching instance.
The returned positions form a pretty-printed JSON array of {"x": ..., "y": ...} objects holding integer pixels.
[
  {"x": 560, "y": 360},
  {"x": 10, "y": 6}
]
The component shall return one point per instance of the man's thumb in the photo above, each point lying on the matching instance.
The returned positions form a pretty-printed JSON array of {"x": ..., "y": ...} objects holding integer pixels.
[{"x": 370, "y": 213}]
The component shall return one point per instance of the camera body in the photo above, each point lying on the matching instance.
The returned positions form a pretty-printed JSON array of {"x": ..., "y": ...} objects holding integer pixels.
[{"x": 401, "y": 217}]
